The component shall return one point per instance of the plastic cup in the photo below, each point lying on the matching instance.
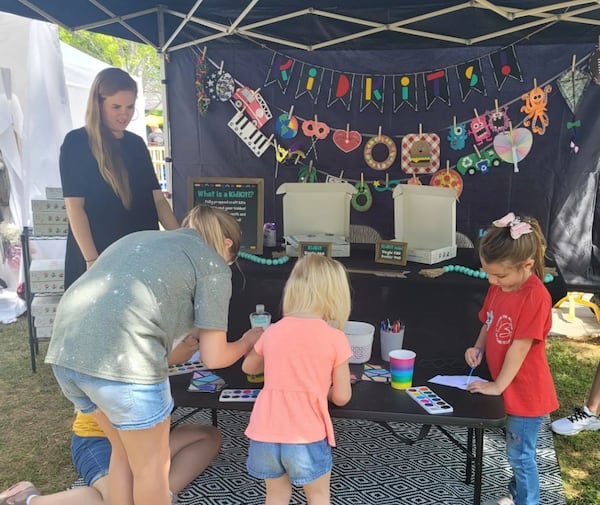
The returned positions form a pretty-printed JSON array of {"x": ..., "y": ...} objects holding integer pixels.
[
  {"x": 390, "y": 340},
  {"x": 402, "y": 366}
]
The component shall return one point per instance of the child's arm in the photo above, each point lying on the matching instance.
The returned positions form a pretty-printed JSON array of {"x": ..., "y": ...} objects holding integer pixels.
[
  {"x": 512, "y": 363},
  {"x": 253, "y": 363},
  {"x": 184, "y": 350},
  {"x": 341, "y": 389},
  {"x": 474, "y": 355}
]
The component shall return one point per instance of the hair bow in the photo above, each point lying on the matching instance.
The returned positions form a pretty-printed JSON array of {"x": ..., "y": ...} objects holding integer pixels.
[{"x": 517, "y": 227}]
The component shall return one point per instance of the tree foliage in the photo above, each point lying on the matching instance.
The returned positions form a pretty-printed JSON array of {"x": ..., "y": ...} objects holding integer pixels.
[{"x": 137, "y": 59}]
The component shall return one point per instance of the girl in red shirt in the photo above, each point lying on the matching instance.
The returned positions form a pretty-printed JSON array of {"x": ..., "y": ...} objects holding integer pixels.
[{"x": 516, "y": 317}]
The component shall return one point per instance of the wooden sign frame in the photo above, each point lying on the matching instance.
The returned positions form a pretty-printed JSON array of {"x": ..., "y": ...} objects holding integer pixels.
[
  {"x": 242, "y": 197},
  {"x": 304, "y": 248},
  {"x": 394, "y": 247}
]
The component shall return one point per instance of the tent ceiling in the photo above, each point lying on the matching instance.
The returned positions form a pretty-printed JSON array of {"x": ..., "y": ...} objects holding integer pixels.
[{"x": 169, "y": 25}]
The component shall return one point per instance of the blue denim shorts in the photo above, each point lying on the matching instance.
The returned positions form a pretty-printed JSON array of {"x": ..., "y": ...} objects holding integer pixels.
[
  {"x": 127, "y": 406},
  {"x": 303, "y": 463},
  {"x": 91, "y": 457}
]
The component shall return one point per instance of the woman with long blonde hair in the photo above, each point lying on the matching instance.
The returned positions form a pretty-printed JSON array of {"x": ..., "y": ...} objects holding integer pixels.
[{"x": 108, "y": 180}]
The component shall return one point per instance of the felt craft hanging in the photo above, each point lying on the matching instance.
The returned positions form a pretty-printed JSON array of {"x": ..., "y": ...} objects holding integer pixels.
[
  {"x": 448, "y": 178},
  {"x": 202, "y": 99},
  {"x": 362, "y": 199},
  {"x": 512, "y": 146},
  {"x": 391, "y": 151},
  {"x": 308, "y": 173},
  {"x": 286, "y": 125},
  {"x": 536, "y": 101},
  {"x": 457, "y": 135},
  {"x": 347, "y": 140},
  {"x": 420, "y": 153},
  {"x": 220, "y": 85},
  {"x": 317, "y": 131},
  {"x": 498, "y": 118},
  {"x": 479, "y": 129},
  {"x": 478, "y": 161},
  {"x": 572, "y": 85}
]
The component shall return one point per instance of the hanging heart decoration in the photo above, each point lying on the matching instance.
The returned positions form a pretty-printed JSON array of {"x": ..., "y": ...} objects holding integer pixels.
[{"x": 347, "y": 140}]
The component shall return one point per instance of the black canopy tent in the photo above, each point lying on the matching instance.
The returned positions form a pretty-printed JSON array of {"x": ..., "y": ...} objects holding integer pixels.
[{"x": 568, "y": 186}]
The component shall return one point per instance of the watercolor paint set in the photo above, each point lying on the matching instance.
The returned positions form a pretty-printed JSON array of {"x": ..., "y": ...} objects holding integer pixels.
[
  {"x": 189, "y": 367},
  {"x": 429, "y": 400},
  {"x": 239, "y": 395}
]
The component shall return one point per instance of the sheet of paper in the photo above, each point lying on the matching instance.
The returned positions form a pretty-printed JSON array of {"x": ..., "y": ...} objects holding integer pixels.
[{"x": 455, "y": 381}]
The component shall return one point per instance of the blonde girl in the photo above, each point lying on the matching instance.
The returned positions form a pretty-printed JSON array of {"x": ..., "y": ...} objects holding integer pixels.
[{"x": 304, "y": 357}]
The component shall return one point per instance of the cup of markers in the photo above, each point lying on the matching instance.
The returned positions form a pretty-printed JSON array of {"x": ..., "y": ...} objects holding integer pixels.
[{"x": 391, "y": 337}]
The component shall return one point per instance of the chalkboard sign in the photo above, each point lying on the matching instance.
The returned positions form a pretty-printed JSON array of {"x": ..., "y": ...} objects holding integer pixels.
[
  {"x": 243, "y": 198},
  {"x": 320, "y": 248},
  {"x": 392, "y": 252}
]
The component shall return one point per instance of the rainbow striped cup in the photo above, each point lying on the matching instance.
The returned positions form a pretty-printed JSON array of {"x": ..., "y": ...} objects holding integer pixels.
[{"x": 402, "y": 365}]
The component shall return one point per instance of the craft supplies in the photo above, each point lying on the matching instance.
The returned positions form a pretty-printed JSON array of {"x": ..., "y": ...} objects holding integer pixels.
[
  {"x": 429, "y": 400},
  {"x": 239, "y": 395},
  {"x": 360, "y": 336},
  {"x": 402, "y": 366},
  {"x": 437, "y": 272}
]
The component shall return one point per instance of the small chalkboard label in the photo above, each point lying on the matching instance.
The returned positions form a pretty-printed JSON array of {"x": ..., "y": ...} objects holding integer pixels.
[
  {"x": 243, "y": 198},
  {"x": 391, "y": 252},
  {"x": 319, "y": 248}
]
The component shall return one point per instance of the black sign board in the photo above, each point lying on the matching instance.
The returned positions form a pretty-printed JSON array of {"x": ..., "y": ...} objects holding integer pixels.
[
  {"x": 243, "y": 198},
  {"x": 320, "y": 248},
  {"x": 392, "y": 252}
]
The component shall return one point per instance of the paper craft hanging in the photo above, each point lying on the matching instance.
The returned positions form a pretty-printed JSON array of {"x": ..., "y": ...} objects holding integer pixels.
[
  {"x": 479, "y": 129},
  {"x": 280, "y": 71},
  {"x": 479, "y": 161},
  {"x": 386, "y": 141},
  {"x": 436, "y": 87},
  {"x": 505, "y": 64},
  {"x": 448, "y": 178},
  {"x": 498, "y": 119},
  {"x": 362, "y": 199},
  {"x": 420, "y": 153},
  {"x": 470, "y": 77},
  {"x": 347, "y": 140},
  {"x": 310, "y": 81},
  {"x": 512, "y": 146},
  {"x": 457, "y": 135},
  {"x": 340, "y": 89},
  {"x": 317, "y": 130},
  {"x": 572, "y": 84},
  {"x": 372, "y": 92},
  {"x": 202, "y": 99},
  {"x": 220, "y": 85},
  {"x": 405, "y": 91},
  {"x": 286, "y": 126},
  {"x": 535, "y": 108}
]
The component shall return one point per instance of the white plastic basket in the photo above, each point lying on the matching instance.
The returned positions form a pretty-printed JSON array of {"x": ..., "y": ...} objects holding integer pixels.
[{"x": 360, "y": 336}]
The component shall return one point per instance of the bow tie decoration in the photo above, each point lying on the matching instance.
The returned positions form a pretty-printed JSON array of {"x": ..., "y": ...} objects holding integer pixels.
[{"x": 517, "y": 227}]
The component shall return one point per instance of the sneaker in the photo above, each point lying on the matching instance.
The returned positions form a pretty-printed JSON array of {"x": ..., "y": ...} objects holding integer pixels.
[
  {"x": 581, "y": 419},
  {"x": 18, "y": 493}
]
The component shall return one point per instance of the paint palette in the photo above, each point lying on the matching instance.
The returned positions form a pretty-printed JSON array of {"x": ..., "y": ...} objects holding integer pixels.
[
  {"x": 429, "y": 400},
  {"x": 239, "y": 395},
  {"x": 189, "y": 367}
]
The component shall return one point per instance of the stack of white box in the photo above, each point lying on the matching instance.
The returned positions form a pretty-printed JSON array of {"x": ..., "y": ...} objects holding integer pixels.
[
  {"x": 50, "y": 215},
  {"x": 43, "y": 310}
]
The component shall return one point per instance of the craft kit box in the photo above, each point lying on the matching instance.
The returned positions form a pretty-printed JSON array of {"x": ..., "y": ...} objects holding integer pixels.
[
  {"x": 46, "y": 270},
  {"x": 54, "y": 193},
  {"x": 50, "y": 230},
  {"x": 50, "y": 217},
  {"x": 425, "y": 218},
  {"x": 44, "y": 305},
  {"x": 48, "y": 205},
  {"x": 318, "y": 208}
]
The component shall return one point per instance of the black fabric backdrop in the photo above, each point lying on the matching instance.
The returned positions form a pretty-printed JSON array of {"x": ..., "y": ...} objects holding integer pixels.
[{"x": 554, "y": 185}]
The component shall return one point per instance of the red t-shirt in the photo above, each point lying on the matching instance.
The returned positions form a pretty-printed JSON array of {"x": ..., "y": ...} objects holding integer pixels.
[
  {"x": 522, "y": 314},
  {"x": 300, "y": 356}
]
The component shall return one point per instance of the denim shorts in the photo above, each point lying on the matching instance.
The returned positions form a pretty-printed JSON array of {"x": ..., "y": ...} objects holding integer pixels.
[
  {"x": 91, "y": 457},
  {"x": 127, "y": 406},
  {"x": 303, "y": 463}
]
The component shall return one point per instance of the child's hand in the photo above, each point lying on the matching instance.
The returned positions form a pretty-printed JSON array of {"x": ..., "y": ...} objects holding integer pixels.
[
  {"x": 252, "y": 335},
  {"x": 485, "y": 388},
  {"x": 473, "y": 356}
]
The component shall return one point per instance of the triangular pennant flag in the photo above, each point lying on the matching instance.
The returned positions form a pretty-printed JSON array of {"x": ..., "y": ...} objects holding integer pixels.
[
  {"x": 341, "y": 89},
  {"x": 436, "y": 87},
  {"x": 470, "y": 77},
  {"x": 372, "y": 92},
  {"x": 310, "y": 80},
  {"x": 280, "y": 71},
  {"x": 505, "y": 64},
  {"x": 405, "y": 91}
]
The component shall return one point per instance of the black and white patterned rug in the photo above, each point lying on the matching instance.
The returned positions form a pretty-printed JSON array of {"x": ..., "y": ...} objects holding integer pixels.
[{"x": 372, "y": 467}]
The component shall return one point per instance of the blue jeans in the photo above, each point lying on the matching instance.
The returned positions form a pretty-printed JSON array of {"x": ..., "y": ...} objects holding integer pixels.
[
  {"x": 521, "y": 442},
  {"x": 91, "y": 457}
]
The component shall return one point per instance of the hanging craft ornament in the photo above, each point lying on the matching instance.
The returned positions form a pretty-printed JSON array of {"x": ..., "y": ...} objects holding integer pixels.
[
  {"x": 448, "y": 178},
  {"x": 479, "y": 129},
  {"x": 220, "y": 85},
  {"x": 457, "y": 135},
  {"x": 362, "y": 199},
  {"x": 347, "y": 140},
  {"x": 535, "y": 108},
  {"x": 512, "y": 146},
  {"x": 202, "y": 99},
  {"x": 316, "y": 130},
  {"x": 595, "y": 65},
  {"x": 572, "y": 84},
  {"x": 286, "y": 125},
  {"x": 420, "y": 153},
  {"x": 307, "y": 173},
  {"x": 391, "y": 150},
  {"x": 498, "y": 118}
]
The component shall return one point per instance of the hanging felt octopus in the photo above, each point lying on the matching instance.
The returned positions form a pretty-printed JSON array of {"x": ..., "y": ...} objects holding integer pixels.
[{"x": 535, "y": 108}]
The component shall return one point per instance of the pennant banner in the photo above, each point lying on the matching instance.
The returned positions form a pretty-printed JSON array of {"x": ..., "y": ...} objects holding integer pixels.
[
  {"x": 505, "y": 64},
  {"x": 405, "y": 91},
  {"x": 280, "y": 71},
  {"x": 436, "y": 87},
  {"x": 470, "y": 77},
  {"x": 310, "y": 81},
  {"x": 372, "y": 92},
  {"x": 341, "y": 89}
]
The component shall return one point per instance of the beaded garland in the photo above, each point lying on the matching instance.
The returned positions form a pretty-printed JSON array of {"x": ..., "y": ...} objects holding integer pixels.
[
  {"x": 263, "y": 261},
  {"x": 480, "y": 273}
]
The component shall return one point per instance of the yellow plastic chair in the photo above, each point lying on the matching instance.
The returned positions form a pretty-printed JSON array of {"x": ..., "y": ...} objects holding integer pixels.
[{"x": 576, "y": 297}]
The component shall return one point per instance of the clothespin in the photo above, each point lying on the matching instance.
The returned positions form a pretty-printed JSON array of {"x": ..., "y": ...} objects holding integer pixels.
[
  {"x": 221, "y": 67},
  {"x": 477, "y": 151},
  {"x": 203, "y": 52},
  {"x": 420, "y": 129},
  {"x": 510, "y": 129},
  {"x": 573, "y": 62},
  {"x": 387, "y": 179},
  {"x": 347, "y": 131},
  {"x": 341, "y": 175},
  {"x": 454, "y": 122},
  {"x": 496, "y": 104},
  {"x": 447, "y": 165},
  {"x": 476, "y": 115},
  {"x": 290, "y": 112},
  {"x": 379, "y": 133},
  {"x": 362, "y": 179},
  {"x": 534, "y": 82}
]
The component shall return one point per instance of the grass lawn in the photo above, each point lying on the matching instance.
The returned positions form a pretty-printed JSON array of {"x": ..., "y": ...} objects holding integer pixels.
[{"x": 35, "y": 424}]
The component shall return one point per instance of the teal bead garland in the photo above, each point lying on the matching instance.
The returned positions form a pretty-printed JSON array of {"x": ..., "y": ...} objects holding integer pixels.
[
  {"x": 480, "y": 273},
  {"x": 263, "y": 261}
]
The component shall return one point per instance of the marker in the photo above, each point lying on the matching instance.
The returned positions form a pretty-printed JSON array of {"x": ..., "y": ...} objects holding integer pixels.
[{"x": 473, "y": 368}]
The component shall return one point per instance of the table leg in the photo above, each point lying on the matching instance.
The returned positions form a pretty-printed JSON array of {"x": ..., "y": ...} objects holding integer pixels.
[
  {"x": 469, "y": 466},
  {"x": 478, "y": 465}
]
